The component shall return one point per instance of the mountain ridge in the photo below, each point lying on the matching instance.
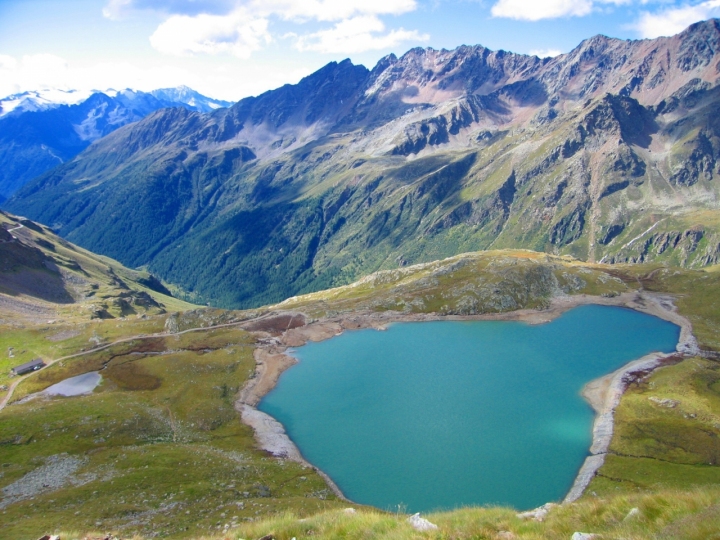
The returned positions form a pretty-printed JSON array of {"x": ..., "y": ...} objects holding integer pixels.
[
  {"x": 427, "y": 155},
  {"x": 37, "y": 134}
]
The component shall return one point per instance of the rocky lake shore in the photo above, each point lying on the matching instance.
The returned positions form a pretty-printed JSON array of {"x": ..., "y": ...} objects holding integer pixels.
[{"x": 279, "y": 332}]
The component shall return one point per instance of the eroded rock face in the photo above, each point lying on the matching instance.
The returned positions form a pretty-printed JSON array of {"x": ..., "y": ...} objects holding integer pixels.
[
  {"x": 664, "y": 402},
  {"x": 698, "y": 161},
  {"x": 584, "y": 536},
  {"x": 538, "y": 514},
  {"x": 684, "y": 248}
]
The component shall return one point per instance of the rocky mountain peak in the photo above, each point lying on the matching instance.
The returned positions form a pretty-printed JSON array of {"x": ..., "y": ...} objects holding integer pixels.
[
  {"x": 426, "y": 75},
  {"x": 648, "y": 70},
  {"x": 455, "y": 89},
  {"x": 320, "y": 96},
  {"x": 699, "y": 45}
]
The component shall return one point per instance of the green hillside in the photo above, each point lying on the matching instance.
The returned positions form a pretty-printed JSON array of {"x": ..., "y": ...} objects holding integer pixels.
[{"x": 158, "y": 449}]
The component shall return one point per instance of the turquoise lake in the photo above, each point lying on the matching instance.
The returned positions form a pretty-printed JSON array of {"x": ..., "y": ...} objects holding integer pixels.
[{"x": 438, "y": 415}]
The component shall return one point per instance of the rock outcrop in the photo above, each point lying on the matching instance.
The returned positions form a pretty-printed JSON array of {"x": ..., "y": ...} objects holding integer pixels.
[{"x": 421, "y": 524}]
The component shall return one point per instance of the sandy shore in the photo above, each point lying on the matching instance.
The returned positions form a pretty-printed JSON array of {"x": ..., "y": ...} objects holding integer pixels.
[
  {"x": 282, "y": 330},
  {"x": 271, "y": 436}
]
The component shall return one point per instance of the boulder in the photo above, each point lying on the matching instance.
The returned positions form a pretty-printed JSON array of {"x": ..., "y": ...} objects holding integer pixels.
[
  {"x": 669, "y": 403},
  {"x": 421, "y": 524},
  {"x": 538, "y": 514}
]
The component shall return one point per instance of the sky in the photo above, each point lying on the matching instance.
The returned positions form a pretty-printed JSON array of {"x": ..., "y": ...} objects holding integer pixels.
[{"x": 230, "y": 49}]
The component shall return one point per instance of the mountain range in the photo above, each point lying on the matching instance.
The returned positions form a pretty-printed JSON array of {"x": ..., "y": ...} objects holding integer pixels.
[
  {"x": 610, "y": 152},
  {"x": 42, "y": 129}
]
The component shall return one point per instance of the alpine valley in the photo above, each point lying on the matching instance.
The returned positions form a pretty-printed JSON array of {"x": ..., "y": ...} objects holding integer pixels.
[
  {"x": 608, "y": 153},
  {"x": 172, "y": 253}
]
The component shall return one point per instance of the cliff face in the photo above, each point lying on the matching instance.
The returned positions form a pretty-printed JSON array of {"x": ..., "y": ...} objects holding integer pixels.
[{"x": 591, "y": 153}]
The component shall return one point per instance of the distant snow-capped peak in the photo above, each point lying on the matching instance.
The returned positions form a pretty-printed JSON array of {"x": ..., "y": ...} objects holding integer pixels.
[
  {"x": 184, "y": 94},
  {"x": 41, "y": 100},
  {"x": 50, "y": 98}
]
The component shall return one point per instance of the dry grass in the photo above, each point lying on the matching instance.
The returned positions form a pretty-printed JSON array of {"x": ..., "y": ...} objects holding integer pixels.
[{"x": 690, "y": 515}]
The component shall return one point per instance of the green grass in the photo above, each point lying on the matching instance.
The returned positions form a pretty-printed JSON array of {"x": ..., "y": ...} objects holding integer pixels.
[
  {"x": 659, "y": 447},
  {"x": 482, "y": 282},
  {"x": 162, "y": 446},
  {"x": 697, "y": 297},
  {"x": 52, "y": 341},
  {"x": 165, "y": 454}
]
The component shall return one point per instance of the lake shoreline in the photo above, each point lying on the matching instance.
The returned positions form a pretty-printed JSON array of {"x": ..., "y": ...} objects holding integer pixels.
[{"x": 603, "y": 394}]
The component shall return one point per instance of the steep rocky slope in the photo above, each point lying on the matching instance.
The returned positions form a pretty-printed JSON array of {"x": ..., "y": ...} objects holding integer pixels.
[
  {"x": 610, "y": 152},
  {"x": 45, "y": 277}
]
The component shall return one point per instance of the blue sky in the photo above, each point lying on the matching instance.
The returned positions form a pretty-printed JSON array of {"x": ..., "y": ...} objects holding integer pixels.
[{"x": 231, "y": 49}]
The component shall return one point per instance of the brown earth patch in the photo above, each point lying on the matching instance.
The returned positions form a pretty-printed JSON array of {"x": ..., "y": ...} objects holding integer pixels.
[
  {"x": 62, "y": 336},
  {"x": 276, "y": 324},
  {"x": 131, "y": 376}
]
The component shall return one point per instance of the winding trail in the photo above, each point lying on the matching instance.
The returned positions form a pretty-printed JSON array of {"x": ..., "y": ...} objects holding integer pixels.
[{"x": 12, "y": 237}]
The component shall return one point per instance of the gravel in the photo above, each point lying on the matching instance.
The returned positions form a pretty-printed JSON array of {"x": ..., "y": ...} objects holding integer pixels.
[{"x": 58, "y": 471}]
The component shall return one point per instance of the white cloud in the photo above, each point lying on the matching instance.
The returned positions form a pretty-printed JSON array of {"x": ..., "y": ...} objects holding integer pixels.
[
  {"x": 238, "y": 33},
  {"x": 242, "y": 27},
  {"x": 354, "y": 35},
  {"x": 673, "y": 20},
  {"x": 46, "y": 71},
  {"x": 32, "y": 72},
  {"x": 42, "y": 72},
  {"x": 545, "y": 53},
  {"x": 548, "y": 9},
  {"x": 331, "y": 10},
  {"x": 116, "y": 9},
  {"x": 7, "y": 62},
  {"x": 541, "y": 9}
]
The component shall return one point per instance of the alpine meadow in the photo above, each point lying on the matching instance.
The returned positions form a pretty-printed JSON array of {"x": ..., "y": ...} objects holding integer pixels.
[{"x": 464, "y": 294}]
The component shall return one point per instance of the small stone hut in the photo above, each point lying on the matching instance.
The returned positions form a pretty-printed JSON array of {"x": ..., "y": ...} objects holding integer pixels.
[{"x": 27, "y": 367}]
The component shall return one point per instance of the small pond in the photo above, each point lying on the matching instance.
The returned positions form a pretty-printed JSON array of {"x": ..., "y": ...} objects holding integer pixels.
[
  {"x": 75, "y": 386},
  {"x": 438, "y": 415}
]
